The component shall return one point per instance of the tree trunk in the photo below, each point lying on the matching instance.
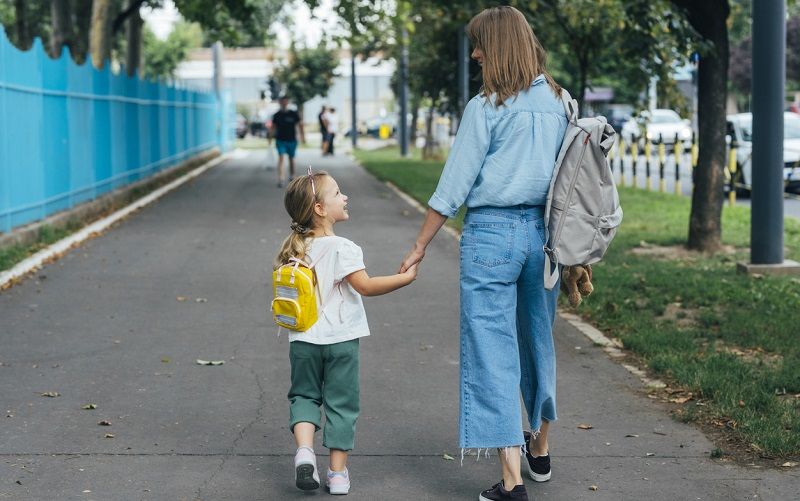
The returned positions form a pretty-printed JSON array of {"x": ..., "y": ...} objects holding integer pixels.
[
  {"x": 100, "y": 34},
  {"x": 21, "y": 25},
  {"x": 583, "y": 81},
  {"x": 705, "y": 223},
  {"x": 432, "y": 150},
  {"x": 133, "y": 35},
  {"x": 414, "y": 119},
  {"x": 83, "y": 22},
  {"x": 62, "y": 27}
]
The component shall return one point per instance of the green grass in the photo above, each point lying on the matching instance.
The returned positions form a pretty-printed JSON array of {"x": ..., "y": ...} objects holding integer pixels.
[
  {"x": 730, "y": 339},
  {"x": 9, "y": 256}
]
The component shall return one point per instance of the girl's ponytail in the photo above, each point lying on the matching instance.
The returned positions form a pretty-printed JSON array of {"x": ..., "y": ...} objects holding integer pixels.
[{"x": 301, "y": 196}]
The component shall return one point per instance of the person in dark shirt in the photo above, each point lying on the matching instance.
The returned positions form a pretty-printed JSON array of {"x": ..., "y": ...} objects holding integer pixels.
[
  {"x": 323, "y": 129},
  {"x": 285, "y": 124}
]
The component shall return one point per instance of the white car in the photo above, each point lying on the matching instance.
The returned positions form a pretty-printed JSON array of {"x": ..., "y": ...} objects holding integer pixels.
[
  {"x": 660, "y": 125},
  {"x": 740, "y": 129}
]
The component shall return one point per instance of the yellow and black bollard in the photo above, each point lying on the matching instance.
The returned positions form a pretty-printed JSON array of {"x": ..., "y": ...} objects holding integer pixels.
[
  {"x": 621, "y": 148},
  {"x": 662, "y": 155},
  {"x": 678, "y": 154},
  {"x": 634, "y": 160},
  {"x": 648, "y": 149},
  {"x": 732, "y": 170}
]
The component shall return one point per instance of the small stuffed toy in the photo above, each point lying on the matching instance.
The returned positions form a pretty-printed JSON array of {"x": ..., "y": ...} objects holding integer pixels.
[{"x": 576, "y": 281}]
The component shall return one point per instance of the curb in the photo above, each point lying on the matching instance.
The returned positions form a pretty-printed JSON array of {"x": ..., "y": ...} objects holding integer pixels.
[
  {"x": 15, "y": 274},
  {"x": 612, "y": 347}
]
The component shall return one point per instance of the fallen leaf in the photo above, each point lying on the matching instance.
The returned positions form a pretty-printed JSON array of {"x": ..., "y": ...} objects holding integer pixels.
[
  {"x": 104, "y": 423},
  {"x": 741, "y": 403},
  {"x": 593, "y": 487},
  {"x": 165, "y": 360},
  {"x": 584, "y": 426},
  {"x": 181, "y": 298},
  {"x": 448, "y": 457},
  {"x": 51, "y": 394},
  {"x": 680, "y": 400},
  {"x": 109, "y": 435},
  {"x": 210, "y": 362},
  {"x": 790, "y": 464},
  {"x": 89, "y": 407}
]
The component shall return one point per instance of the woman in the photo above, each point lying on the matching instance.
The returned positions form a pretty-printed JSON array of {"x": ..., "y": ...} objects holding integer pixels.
[{"x": 500, "y": 168}]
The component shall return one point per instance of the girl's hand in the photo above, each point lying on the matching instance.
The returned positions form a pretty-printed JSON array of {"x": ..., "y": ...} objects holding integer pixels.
[
  {"x": 413, "y": 257},
  {"x": 411, "y": 272}
]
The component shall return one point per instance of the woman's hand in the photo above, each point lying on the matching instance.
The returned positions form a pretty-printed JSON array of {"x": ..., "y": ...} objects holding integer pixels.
[
  {"x": 411, "y": 272},
  {"x": 413, "y": 257}
]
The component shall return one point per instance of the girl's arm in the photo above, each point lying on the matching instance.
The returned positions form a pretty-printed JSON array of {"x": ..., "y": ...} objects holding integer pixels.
[
  {"x": 375, "y": 286},
  {"x": 433, "y": 222}
]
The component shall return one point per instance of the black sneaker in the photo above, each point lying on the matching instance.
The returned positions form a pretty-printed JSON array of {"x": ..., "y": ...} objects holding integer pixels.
[
  {"x": 538, "y": 466},
  {"x": 499, "y": 493}
]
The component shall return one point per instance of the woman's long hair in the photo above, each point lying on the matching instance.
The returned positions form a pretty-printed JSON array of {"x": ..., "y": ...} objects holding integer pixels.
[
  {"x": 512, "y": 55},
  {"x": 299, "y": 201}
]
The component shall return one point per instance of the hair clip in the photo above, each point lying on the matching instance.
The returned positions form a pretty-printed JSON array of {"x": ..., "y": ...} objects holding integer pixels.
[{"x": 311, "y": 177}]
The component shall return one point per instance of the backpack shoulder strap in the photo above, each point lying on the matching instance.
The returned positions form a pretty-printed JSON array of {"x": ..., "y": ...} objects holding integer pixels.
[{"x": 570, "y": 106}]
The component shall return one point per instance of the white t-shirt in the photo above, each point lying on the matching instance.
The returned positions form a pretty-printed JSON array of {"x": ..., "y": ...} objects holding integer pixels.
[
  {"x": 341, "y": 315},
  {"x": 333, "y": 122}
]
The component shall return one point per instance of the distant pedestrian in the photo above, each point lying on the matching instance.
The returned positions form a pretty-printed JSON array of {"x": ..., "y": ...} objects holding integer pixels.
[
  {"x": 323, "y": 129},
  {"x": 500, "y": 167},
  {"x": 324, "y": 359},
  {"x": 286, "y": 124},
  {"x": 332, "y": 125}
]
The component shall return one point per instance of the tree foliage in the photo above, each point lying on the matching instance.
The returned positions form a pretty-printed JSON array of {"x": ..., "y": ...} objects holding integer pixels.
[
  {"x": 308, "y": 73},
  {"x": 164, "y": 56},
  {"x": 234, "y": 22}
]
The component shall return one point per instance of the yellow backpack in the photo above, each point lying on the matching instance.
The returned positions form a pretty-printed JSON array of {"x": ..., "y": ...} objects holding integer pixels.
[{"x": 295, "y": 288}]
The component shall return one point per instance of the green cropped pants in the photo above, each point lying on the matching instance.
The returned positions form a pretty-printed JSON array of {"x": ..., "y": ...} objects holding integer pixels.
[{"x": 325, "y": 376}]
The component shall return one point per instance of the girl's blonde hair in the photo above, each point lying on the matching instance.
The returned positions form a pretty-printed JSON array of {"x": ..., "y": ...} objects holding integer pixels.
[
  {"x": 512, "y": 55},
  {"x": 302, "y": 194}
]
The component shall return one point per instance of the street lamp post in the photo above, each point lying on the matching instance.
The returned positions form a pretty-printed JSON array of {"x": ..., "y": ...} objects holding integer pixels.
[
  {"x": 354, "y": 127},
  {"x": 769, "y": 74},
  {"x": 404, "y": 96}
]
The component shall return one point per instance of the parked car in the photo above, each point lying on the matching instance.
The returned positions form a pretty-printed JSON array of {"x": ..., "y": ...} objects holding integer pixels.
[
  {"x": 660, "y": 125},
  {"x": 740, "y": 132},
  {"x": 617, "y": 115},
  {"x": 241, "y": 126}
]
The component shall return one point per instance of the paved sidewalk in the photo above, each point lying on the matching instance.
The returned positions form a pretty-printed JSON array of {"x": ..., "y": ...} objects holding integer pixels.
[{"x": 104, "y": 325}]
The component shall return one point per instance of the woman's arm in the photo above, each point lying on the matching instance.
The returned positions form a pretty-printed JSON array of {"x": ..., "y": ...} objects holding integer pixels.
[
  {"x": 376, "y": 286},
  {"x": 430, "y": 227}
]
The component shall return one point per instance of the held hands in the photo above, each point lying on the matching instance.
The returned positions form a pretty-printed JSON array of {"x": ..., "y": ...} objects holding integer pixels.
[
  {"x": 411, "y": 272},
  {"x": 412, "y": 258}
]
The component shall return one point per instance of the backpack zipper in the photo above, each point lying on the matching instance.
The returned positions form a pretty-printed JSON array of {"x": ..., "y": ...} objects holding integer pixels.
[{"x": 571, "y": 189}]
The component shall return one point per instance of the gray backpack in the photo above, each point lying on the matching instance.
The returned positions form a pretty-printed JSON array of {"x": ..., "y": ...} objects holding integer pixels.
[{"x": 582, "y": 211}]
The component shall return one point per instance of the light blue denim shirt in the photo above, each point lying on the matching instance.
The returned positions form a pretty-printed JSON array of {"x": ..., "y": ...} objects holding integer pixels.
[{"x": 503, "y": 156}]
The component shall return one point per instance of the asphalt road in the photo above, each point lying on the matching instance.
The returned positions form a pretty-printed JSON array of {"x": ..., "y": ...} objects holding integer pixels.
[{"x": 120, "y": 322}]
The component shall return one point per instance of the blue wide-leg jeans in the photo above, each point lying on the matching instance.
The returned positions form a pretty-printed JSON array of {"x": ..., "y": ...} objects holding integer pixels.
[{"x": 506, "y": 326}]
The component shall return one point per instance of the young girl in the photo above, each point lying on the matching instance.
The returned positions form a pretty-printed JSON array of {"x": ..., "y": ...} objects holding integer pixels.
[{"x": 324, "y": 359}]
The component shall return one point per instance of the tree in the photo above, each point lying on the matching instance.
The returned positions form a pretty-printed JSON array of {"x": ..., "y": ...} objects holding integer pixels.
[
  {"x": 309, "y": 73},
  {"x": 100, "y": 34},
  {"x": 62, "y": 26},
  {"x": 164, "y": 56},
  {"x": 709, "y": 19}
]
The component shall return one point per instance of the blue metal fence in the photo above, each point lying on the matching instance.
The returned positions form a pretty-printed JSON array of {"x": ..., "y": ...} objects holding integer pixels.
[{"x": 70, "y": 133}]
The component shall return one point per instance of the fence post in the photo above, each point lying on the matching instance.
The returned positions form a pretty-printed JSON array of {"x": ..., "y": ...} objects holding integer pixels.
[
  {"x": 635, "y": 161},
  {"x": 621, "y": 148},
  {"x": 648, "y": 151}
]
